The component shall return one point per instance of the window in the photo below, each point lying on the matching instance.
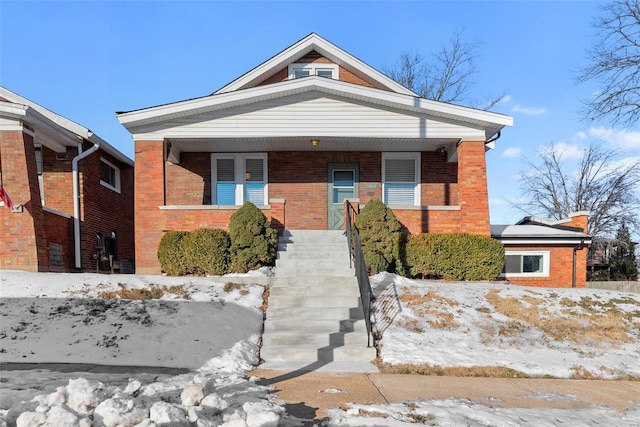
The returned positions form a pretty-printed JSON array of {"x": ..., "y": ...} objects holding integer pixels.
[
  {"x": 401, "y": 179},
  {"x": 526, "y": 264},
  {"x": 343, "y": 185},
  {"x": 297, "y": 71},
  {"x": 40, "y": 168},
  {"x": 109, "y": 175},
  {"x": 55, "y": 255},
  {"x": 239, "y": 178}
]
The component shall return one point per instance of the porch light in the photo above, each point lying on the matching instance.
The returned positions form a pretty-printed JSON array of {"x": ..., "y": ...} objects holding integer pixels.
[{"x": 315, "y": 142}]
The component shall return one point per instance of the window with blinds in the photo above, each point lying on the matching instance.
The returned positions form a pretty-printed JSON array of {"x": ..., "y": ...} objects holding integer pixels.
[
  {"x": 400, "y": 179},
  {"x": 239, "y": 178}
]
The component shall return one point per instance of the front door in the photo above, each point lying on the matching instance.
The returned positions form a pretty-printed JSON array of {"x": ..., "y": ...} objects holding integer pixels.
[{"x": 343, "y": 184}]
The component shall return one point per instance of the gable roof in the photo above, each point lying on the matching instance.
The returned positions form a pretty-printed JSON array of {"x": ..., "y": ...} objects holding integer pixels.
[
  {"x": 300, "y": 49},
  {"x": 58, "y": 129},
  {"x": 490, "y": 122}
]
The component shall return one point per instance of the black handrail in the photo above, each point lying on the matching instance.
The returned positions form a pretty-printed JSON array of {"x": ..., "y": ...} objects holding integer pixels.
[{"x": 362, "y": 274}]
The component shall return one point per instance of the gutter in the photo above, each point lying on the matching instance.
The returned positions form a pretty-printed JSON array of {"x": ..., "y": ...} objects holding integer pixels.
[{"x": 76, "y": 195}]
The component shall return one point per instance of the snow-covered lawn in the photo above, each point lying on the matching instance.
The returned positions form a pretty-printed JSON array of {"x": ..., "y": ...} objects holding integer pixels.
[
  {"x": 214, "y": 328},
  {"x": 564, "y": 333}
]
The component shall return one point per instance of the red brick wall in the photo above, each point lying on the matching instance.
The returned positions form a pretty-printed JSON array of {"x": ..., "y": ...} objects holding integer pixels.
[
  {"x": 57, "y": 178},
  {"x": 189, "y": 183},
  {"x": 560, "y": 267},
  {"x": 59, "y": 230},
  {"x": 22, "y": 235},
  {"x": 429, "y": 220},
  {"x": 301, "y": 179},
  {"x": 149, "y": 195},
  {"x": 344, "y": 75},
  {"x": 105, "y": 210},
  {"x": 472, "y": 188}
]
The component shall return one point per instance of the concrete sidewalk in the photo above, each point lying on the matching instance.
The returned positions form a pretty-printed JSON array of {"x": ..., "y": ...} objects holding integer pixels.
[{"x": 326, "y": 390}]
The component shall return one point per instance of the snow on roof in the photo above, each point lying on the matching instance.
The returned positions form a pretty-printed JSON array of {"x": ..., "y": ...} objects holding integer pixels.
[{"x": 534, "y": 233}]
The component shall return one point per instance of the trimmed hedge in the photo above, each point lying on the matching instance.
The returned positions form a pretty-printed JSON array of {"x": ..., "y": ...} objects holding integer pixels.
[
  {"x": 381, "y": 236},
  {"x": 206, "y": 251},
  {"x": 170, "y": 253},
  {"x": 253, "y": 242},
  {"x": 455, "y": 256}
]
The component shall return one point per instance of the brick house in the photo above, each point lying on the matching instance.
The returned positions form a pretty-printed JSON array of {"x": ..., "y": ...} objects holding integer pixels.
[
  {"x": 541, "y": 252},
  {"x": 56, "y": 224},
  {"x": 312, "y": 126},
  {"x": 298, "y": 134}
]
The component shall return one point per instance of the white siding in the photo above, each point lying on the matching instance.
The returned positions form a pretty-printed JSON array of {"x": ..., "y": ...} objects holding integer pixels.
[{"x": 312, "y": 114}]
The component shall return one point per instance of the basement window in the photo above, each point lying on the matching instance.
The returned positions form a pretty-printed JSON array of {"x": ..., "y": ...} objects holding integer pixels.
[
  {"x": 55, "y": 255},
  {"x": 109, "y": 175},
  {"x": 526, "y": 264}
]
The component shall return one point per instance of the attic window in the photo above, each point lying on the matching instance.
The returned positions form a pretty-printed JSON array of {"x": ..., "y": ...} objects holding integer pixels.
[{"x": 297, "y": 71}]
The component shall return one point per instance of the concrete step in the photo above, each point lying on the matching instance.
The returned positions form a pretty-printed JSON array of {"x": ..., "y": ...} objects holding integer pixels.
[
  {"x": 314, "y": 281},
  {"x": 295, "y": 338},
  {"x": 314, "y": 254},
  {"x": 314, "y": 302},
  {"x": 312, "y": 353},
  {"x": 315, "y": 325},
  {"x": 364, "y": 367},
  {"x": 312, "y": 271},
  {"x": 314, "y": 291},
  {"x": 339, "y": 313},
  {"x": 339, "y": 264},
  {"x": 313, "y": 236}
]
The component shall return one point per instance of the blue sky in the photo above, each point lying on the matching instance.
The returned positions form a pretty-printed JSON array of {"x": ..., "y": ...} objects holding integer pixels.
[{"x": 87, "y": 60}]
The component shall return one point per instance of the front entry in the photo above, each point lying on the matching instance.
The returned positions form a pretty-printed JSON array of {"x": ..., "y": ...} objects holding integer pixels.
[{"x": 343, "y": 184}]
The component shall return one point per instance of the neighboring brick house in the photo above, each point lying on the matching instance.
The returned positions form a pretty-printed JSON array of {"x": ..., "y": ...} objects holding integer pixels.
[
  {"x": 47, "y": 231},
  {"x": 540, "y": 252}
]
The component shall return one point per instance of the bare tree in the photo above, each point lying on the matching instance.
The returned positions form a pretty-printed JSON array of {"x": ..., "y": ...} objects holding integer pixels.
[
  {"x": 601, "y": 185},
  {"x": 445, "y": 76},
  {"x": 615, "y": 64}
]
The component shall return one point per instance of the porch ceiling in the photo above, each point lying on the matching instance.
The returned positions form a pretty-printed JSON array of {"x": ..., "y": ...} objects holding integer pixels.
[{"x": 303, "y": 143}]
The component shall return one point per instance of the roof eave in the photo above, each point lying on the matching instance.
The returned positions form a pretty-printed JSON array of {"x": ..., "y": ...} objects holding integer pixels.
[{"x": 490, "y": 121}]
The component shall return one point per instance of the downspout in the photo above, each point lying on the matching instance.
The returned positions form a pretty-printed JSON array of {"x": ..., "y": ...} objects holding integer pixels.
[
  {"x": 76, "y": 197},
  {"x": 575, "y": 261}
]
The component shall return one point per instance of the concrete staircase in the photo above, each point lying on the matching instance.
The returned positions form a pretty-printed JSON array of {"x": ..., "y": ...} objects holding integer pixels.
[{"x": 315, "y": 319}]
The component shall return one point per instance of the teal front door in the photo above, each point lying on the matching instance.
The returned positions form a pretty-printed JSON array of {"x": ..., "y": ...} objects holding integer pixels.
[{"x": 343, "y": 184}]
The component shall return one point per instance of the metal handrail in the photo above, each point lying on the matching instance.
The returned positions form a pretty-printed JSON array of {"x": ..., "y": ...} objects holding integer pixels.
[{"x": 362, "y": 274}]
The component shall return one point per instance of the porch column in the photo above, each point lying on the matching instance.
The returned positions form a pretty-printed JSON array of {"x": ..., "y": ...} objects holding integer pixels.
[
  {"x": 149, "y": 196},
  {"x": 472, "y": 188},
  {"x": 24, "y": 245}
]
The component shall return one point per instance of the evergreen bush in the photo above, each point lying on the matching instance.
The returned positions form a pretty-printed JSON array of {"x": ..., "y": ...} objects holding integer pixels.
[
  {"x": 253, "y": 242},
  {"x": 381, "y": 237},
  {"x": 454, "y": 256},
  {"x": 171, "y": 254},
  {"x": 206, "y": 251}
]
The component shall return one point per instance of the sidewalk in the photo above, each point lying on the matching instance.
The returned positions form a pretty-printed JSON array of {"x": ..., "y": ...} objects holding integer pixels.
[{"x": 326, "y": 390}]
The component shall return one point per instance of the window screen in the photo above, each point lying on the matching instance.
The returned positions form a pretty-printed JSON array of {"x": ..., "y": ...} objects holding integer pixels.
[{"x": 400, "y": 175}]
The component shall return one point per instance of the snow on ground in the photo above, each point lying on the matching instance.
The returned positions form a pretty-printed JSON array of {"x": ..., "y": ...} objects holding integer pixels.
[
  {"x": 53, "y": 316},
  {"x": 566, "y": 332}
]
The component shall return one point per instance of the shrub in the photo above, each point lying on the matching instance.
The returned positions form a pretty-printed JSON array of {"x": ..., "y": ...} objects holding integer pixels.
[
  {"x": 170, "y": 253},
  {"x": 207, "y": 251},
  {"x": 455, "y": 256},
  {"x": 253, "y": 242},
  {"x": 380, "y": 236}
]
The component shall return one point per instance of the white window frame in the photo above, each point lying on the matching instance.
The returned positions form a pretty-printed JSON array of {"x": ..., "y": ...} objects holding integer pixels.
[
  {"x": 546, "y": 258},
  {"x": 313, "y": 69},
  {"x": 415, "y": 156},
  {"x": 117, "y": 187},
  {"x": 240, "y": 180}
]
